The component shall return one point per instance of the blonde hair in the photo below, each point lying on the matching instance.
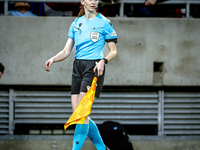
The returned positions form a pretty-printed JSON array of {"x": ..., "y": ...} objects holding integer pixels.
[{"x": 82, "y": 11}]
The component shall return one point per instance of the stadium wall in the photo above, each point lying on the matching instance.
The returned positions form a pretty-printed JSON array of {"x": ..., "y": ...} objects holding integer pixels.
[{"x": 151, "y": 51}]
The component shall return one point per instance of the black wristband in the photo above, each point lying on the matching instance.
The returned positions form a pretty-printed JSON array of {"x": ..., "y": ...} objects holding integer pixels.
[{"x": 105, "y": 60}]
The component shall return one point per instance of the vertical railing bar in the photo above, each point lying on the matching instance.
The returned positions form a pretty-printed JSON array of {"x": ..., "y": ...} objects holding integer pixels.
[
  {"x": 159, "y": 112},
  {"x": 187, "y": 10},
  {"x": 6, "y": 7},
  {"x": 162, "y": 112},
  {"x": 121, "y": 9},
  {"x": 11, "y": 111}
]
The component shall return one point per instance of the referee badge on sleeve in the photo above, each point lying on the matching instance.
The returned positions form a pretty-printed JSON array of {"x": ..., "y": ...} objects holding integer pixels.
[{"x": 94, "y": 36}]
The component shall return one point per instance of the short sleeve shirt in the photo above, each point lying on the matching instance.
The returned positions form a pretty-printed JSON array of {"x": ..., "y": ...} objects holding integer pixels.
[
  {"x": 90, "y": 36},
  {"x": 19, "y": 14}
]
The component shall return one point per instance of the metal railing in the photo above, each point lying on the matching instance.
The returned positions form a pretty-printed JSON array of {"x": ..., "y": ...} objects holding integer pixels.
[
  {"x": 121, "y": 2},
  {"x": 174, "y": 113}
]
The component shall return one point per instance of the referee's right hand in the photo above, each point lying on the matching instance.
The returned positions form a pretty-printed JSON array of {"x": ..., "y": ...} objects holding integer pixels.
[{"x": 48, "y": 63}]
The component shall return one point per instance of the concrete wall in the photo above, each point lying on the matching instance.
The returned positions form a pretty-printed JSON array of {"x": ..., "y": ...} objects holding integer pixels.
[{"x": 26, "y": 43}]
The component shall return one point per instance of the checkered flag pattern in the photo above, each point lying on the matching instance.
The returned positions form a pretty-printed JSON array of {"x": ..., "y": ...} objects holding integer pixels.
[{"x": 84, "y": 108}]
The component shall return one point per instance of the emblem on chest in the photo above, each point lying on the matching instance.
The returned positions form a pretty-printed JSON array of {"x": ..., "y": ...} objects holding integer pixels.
[{"x": 94, "y": 36}]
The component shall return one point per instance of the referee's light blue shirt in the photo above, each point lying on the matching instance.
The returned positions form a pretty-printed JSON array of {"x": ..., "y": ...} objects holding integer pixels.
[{"x": 90, "y": 36}]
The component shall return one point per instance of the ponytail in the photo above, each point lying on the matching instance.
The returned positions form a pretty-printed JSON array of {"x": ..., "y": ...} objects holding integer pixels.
[{"x": 82, "y": 11}]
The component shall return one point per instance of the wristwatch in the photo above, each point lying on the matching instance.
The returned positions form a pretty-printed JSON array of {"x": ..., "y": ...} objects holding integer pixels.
[{"x": 105, "y": 60}]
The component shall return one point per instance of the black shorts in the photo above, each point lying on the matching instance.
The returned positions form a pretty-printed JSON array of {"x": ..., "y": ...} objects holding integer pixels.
[{"x": 83, "y": 75}]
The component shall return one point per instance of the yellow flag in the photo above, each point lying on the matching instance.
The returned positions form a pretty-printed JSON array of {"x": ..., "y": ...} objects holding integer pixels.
[{"x": 84, "y": 108}]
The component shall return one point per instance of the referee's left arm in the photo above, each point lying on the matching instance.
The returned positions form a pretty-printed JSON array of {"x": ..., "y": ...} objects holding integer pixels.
[
  {"x": 112, "y": 54},
  {"x": 113, "y": 51}
]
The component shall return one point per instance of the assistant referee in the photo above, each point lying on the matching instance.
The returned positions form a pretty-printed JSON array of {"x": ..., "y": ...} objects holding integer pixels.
[{"x": 88, "y": 32}]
